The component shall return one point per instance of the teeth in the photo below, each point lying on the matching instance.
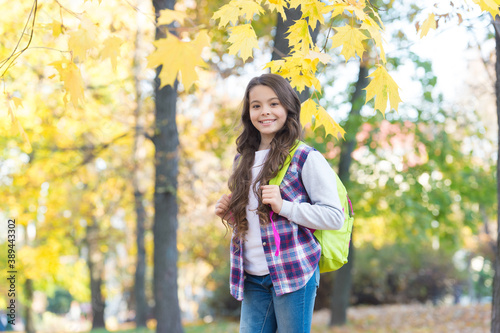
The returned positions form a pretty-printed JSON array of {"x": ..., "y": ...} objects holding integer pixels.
[{"x": 267, "y": 121}]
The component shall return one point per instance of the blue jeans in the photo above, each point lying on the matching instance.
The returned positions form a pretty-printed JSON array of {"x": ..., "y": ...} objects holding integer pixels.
[{"x": 264, "y": 312}]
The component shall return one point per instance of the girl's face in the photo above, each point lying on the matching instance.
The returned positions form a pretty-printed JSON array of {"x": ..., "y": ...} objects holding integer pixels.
[{"x": 266, "y": 112}]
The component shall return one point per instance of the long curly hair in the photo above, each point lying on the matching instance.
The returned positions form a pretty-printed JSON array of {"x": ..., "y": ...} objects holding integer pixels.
[{"x": 240, "y": 182}]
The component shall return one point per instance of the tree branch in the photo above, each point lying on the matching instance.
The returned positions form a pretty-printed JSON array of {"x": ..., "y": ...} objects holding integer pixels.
[{"x": 14, "y": 55}]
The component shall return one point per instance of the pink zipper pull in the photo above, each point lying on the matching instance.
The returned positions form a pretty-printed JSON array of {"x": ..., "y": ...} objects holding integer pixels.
[{"x": 276, "y": 235}]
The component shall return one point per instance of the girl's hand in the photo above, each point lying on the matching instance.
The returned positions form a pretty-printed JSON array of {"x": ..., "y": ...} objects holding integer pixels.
[
  {"x": 222, "y": 206},
  {"x": 271, "y": 195}
]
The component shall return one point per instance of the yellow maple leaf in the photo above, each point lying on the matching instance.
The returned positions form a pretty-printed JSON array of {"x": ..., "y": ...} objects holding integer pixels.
[
  {"x": 375, "y": 32},
  {"x": 299, "y": 70},
  {"x": 168, "y": 16},
  {"x": 278, "y": 6},
  {"x": 338, "y": 9},
  {"x": 184, "y": 60},
  {"x": 320, "y": 56},
  {"x": 295, "y": 3},
  {"x": 56, "y": 27},
  {"x": 330, "y": 125},
  {"x": 72, "y": 78},
  {"x": 357, "y": 7},
  {"x": 83, "y": 39},
  {"x": 429, "y": 23},
  {"x": 112, "y": 49},
  {"x": 314, "y": 10},
  {"x": 301, "y": 79},
  {"x": 299, "y": 36},
  {"x": 231, "y": 12},
  {"x": 243, "y": 39},
  {"x": 17, "y": 102},
  {"x": 383, "y": 87},
  {"x": 491, "y": 6},
  {"x": 310, "y": 109},
  {"x": 12, "y": 104},
  {"x": 351, "y": 40},
  {"x": 275, "y": 65}
]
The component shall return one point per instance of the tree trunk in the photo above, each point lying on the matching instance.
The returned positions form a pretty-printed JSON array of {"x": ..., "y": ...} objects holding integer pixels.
[
  {"x": 343, "y": 277},
  {"x": 95, "y": 262},
  {"x": 141, "y": 305},
  {"x": 495, "y": 310},
  {"x": 281, "y": 48},
  {"x": 30, "y": 324},
  {"x": 166, "y": 141}
]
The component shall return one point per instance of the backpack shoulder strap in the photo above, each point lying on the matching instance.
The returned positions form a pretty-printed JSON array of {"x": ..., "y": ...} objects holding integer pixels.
[{"x": 281, "y": 174}]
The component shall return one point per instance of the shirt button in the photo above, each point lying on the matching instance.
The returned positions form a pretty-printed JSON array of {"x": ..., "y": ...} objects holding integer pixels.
[{"x": 264, "y": 243}]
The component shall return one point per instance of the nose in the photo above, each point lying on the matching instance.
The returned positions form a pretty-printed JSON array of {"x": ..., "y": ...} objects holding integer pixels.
[{"x": 265, "y": 110}]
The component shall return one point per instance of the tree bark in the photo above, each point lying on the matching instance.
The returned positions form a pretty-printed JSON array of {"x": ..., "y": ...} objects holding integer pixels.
[
  {"x": 343, "y": 277},
  {"x": 166, "y": 141},
  {"x": 281, "y": 48},
  {"x": 95, "y": 262},
  {"x": 495, "y": 309},
  {"x": 30, "y": 324},
  {"x": 141, "y": 305}
]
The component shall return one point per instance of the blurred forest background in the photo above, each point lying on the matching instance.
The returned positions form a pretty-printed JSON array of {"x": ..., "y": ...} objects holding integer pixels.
[{"x": 80, "y": 135}]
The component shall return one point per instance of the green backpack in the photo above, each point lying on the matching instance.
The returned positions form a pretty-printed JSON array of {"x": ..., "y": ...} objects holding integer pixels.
[{"x": 334, "y": 243}]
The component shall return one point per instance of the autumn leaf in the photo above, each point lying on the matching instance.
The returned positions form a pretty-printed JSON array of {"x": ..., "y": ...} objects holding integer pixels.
[
  {"x": 310, "y": 109},
  {"x": 295, "y": 3},
  {"x": 356, "y": 8},
  {"x": 275, "y": 65},
  {"x": 384, "y": 88},
  {"x": 112, "y": 49},
  {"x": 429, "y": 23},
  {"x": 277, "y": 6},
  {"x": 314, "y": 10},
  {"x": 315, "y": 54},
  {"x": 298, "y": 69},
  {"x": 56, "y": 27},
  {"x": 83, "y": 39},
  {"x": 184, "y": 60},
  {"x": 351, "y": 40},
  {"x": 338, "y": 9},
  {"x": 298, "y": 35},
  {"x": 375, "y": 32},
  {"x": 243, "y": 39},
  {"x": 17, "y": 102},
  {"x": 72, "y": 78},
  {"x": 14, "y": 103},
  {"x": 235, "y": 9},
  {"x": 168, "y": 16},
  {"x": 491, "y": 6},
  {"x": 330, "y": 125}
]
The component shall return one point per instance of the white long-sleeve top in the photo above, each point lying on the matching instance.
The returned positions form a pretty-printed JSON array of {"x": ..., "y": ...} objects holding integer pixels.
[{"x": 324, "y": 212}]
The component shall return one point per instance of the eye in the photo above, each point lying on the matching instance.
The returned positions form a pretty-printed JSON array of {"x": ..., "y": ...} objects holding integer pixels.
[
  {"x": 275, "y": 104},
  {"x": 255, "y": 106}
]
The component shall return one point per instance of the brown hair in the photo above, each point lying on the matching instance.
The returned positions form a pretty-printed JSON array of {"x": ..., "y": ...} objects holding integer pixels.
[{"x": 248, "y": 143}]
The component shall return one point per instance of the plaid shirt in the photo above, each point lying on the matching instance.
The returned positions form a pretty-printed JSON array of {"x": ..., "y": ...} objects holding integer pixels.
[{"x": 299, "y": 251}]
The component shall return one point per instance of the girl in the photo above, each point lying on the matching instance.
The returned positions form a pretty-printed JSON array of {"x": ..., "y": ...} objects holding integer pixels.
[{"x": 276, "y": 274}]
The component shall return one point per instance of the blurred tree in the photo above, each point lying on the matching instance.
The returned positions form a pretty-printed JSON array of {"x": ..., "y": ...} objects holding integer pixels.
[
  {"x": 141, "y": 305},
  {"x": 166, "y": 140},
  {"x": 343, "y": 277},
  {"x": 495, "y": 312}
]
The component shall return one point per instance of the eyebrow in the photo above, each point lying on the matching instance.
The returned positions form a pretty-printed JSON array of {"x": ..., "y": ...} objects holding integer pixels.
[{"x": 270, "y": 99}]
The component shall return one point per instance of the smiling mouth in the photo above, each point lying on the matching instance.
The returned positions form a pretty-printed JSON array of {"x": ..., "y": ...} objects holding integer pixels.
[{"x": 267, "y": 121}]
